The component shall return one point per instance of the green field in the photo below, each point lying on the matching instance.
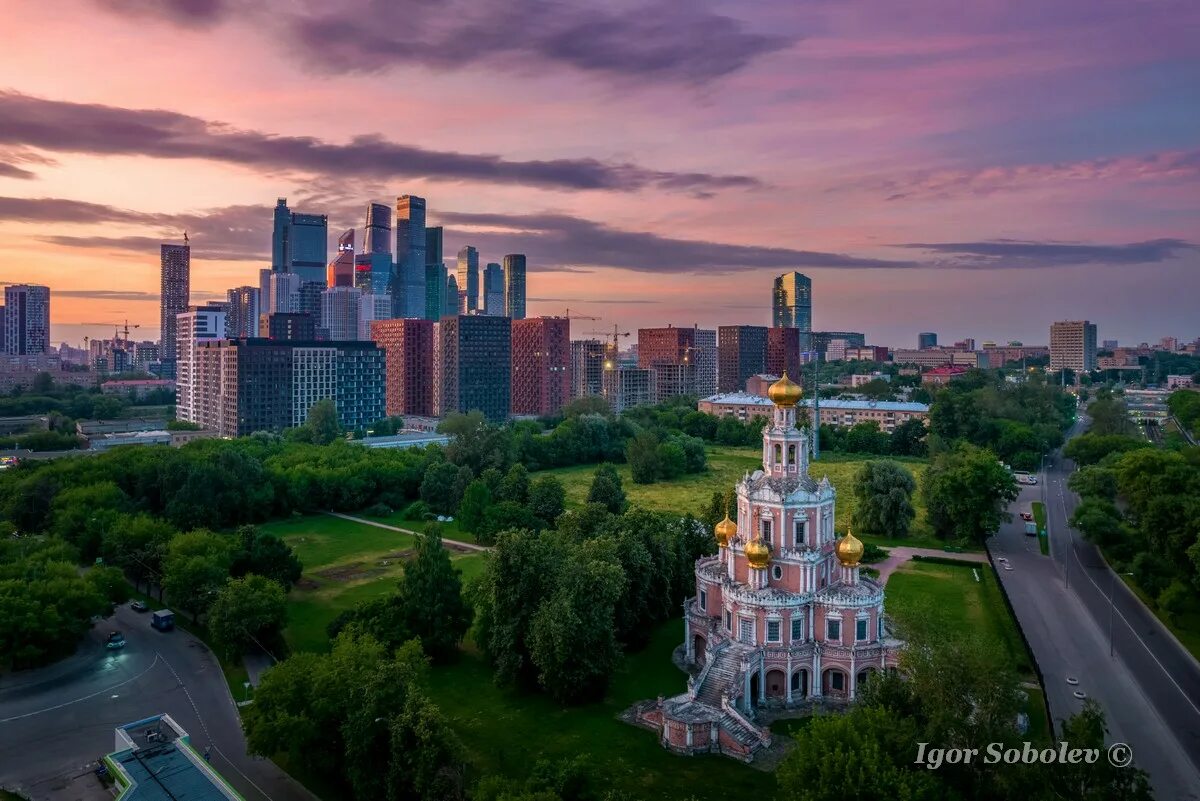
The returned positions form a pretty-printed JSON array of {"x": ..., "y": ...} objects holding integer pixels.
[
  {"x": 1039, "y": 519},
  {"x": 726, "y": 465}
]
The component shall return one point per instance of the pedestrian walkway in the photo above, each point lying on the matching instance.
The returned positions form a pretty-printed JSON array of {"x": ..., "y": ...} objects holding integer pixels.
[
  {"x": 901, "y": 554},
  {"x": 470, "y": 546}
]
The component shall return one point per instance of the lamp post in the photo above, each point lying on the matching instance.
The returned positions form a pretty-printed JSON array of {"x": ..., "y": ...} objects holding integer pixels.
[{"x": 1112, "y": 586}]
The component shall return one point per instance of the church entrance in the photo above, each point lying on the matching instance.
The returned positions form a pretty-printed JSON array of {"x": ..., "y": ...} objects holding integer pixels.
[
  {"x": 755, "y": 691},
  {"x": 698, "y": 654},
  {"x": 835, "y": 683},
  {"x": 800, "y": 684},
  {"x": 776, "y": 684}
]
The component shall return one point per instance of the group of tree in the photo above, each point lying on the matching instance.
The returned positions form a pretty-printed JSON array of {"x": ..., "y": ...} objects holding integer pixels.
[
  {"x": 1185, "y": 406},
  {"x": 906, "y": 439},
  {"x": 652, "y": 457},
  {"x": 966, "y": 490},
  {"x": 883, "y": 493}
]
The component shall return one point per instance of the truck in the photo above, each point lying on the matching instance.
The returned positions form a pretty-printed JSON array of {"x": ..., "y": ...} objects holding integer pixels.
[
  {"x": 1030, "y": 528},
  {"x": 1024, "y": 478},
  {"x": 163, "y": 620}
]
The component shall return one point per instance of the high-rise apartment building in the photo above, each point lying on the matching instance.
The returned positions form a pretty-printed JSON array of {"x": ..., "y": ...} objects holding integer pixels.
[
  {"x": 626, "y": 387},
  {"x": 409, "y": 374},
  {"x": 791, "y": 302},
  {"x": 175, "y": 289},
  {"x": 926, "y": 340},
  {"x": 587, "y": 367},
  {"x": 241, "y": 312},
  {"x": 197, "y": 325},
  {"x": 468, "y": 280},
  {"x": 341, "y": 310},
  {"x": 1073, "y": 345},
  {"x": 341, "y": 269},
  {"x": 377, "y": 233},
  {"x": 280, "y": 292},
  {"x": 669, "y": 352},
  {"x": 783, "y": 352},
  {"x": 310, "y": 304},
  {"x": 705, "y": 358},
  {"x": 27, "y": 319},
  {"x": 475, "y": 362},
  {"x": 541, "y": 356},
  {"x": 822, "y": 339},
  {"x": 514, "y": 286},
  {"x": 493, "y": 289},
  {"x": 408, "y": 292},
  {"x": 287, "y": 327},
  {"x": 435, "y": 274},
  {"x": 741, "y": 353},
  {"x": 372, "y": 307}
]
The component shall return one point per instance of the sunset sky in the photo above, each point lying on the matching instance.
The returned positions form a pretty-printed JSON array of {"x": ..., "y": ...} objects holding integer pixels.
[{"x": 976, "y": 169}]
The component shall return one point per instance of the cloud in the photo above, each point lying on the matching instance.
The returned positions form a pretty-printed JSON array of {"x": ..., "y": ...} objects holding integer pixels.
[
  {"x": 622, "y": 301},
  {"x": 13, "y": 171},
  {"x": 129, "y": 294},
  {"x": 1001, "y": 253},
  {"x": 190, "y": 13},
  {"x": 553, "y": 240},
  {"x": 110, "y": 130}
]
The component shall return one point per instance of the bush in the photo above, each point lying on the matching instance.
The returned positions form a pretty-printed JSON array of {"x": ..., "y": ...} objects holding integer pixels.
[
  {"x": 417, "y": 510},
  {"x": 379, "y": 510}
]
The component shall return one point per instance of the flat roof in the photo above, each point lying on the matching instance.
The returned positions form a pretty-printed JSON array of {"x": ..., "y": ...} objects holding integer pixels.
[
  {"x": 164, "y": 772},
  {"x": 747, "y": 399}
]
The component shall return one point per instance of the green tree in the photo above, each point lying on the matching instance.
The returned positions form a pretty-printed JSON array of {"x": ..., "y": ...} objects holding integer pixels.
[
  {"x": 137, "y": 544},
  {"x": 966, "y": 489},
  {"x": 1090, "y": 448},
  {"x": 322, "y": 425},
  {"x": 1099, "y": 521},
  {"x": 433, "y": 601},
  {"x": 606, "y": 489},
  {"x": 547, "y": 498},
  {"x": 195, "y": 569},
  {"x": 438, "y": 487},
  {"x": 644, "y": 458},
  {"x": 265, "y": 555},
  {"x": 515, "y": 486},
  {"x": 883, "y": 493},
  {"x": 1094, "y": 482},
  {"x": 473, "y": 508},
  {"x": 248, "y": 612},
  {"x": 1100, "y": 780},
  {"x": 507, "y": 516},
  {"x": 908, "y": 438}
]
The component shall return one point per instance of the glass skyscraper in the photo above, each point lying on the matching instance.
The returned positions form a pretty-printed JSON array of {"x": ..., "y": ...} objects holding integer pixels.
[
  {"x": 468, "y": 279},
  {"x": 791, "y": 302},
  {"x": 279, "y": 236},
  {"x": 408, "y": 290},
  {"x": 435, "y": 274},
  {"x": 377, "y": 235},
  {"x": 493, "y": 290},
  {"x": 514, "y": 285},
  {"x": 308, "y": 246}
]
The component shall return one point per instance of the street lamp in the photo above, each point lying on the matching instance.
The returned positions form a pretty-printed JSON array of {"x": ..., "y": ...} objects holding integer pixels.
[{"x": 1112, "y": 586}]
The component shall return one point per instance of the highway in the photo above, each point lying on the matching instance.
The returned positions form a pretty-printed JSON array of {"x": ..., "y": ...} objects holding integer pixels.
[
  {"x": 1149, "y": 688},
  {"x": 56, "y": 721}
]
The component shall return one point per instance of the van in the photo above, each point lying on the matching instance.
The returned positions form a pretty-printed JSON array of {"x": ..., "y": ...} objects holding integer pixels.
[{"x": 163, "y": 620}]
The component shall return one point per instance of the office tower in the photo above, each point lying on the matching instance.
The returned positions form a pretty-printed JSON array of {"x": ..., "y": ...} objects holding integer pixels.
[
  {"x": 468, "y": 280},
  {"x": 821, "y": 340},
  {"x": 1073, "y": 345},
  {"x": 374, "y": 273},
  {"x": 451, "y": 298},
  {"x": 493, "y": 289},
  {"x": 705, "y": 358},
  {"x": 371, "y": 308},
  {"x": 281, "y": 293},
  {"x": 340, "y": 312},
  {"x": 249, "y": 385},
  {"x": 514, "y": 286},
  {"x": 27, "y": 319},
  {"x": 341, "y": 269},
  {"x": 377, "y": 234},
  {"x": 475, "y": 354},
  {"x": 308, "y": 246},
  {"x": 1109, "y": 344},
  {"x": 241, "y": 312},
  {"x": 965, "y": 344},
  {"x": 3, "y": 331},
  {"x": 280, "y": 260},
  {"x": 409, "y": 375},
  {"x": 408, "y": 289},
  {"x": 287, "y": 327},
  {"x": 175, "y": 289},
  {"x": 783, "y": 352},
  {"x": 926, "y": 340},
  {"x": 587, "y": 367},
  {"x": 541, "y": 356},
  {"x": 310, "y": 304},
  {"x": 146, "y": 353},
  {"x": 791, "y": 305},
  {"x": 626, "y": 387},
  {"x": 198, "y": 324},
  {"x": 435, "y": 274},
  {"x": 741, "y": 353},
  {"x": 668, "y": 351}
]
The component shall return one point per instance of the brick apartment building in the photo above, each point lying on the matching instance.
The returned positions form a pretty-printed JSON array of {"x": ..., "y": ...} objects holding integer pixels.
[
  {"x": 541, "y": 357},
  {"x": 408, "y": 348}
]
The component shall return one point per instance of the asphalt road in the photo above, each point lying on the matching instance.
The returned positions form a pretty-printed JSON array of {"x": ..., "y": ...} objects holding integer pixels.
[
  {"x": 1149, "y": 688},
  {"x": 56, "y": 721}
]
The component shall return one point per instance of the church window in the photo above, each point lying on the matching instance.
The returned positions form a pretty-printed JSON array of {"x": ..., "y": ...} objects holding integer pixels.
[
  {"x": 728, "y": 621},
  {"x": 766, "y": 530},
  {"x": 703, "y": 599},
  {"x": 860, "y": 629},
  {"x": 797, "y": 628},
  {"x": 772, "y": 631},
  {"x": 833, "y": 629},
  {"x": 776, "y": 572}
]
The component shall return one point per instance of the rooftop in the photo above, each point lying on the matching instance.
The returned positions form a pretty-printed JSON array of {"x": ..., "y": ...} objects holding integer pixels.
[
  {"x": 154, "y": 762},
  {"x": 746, "y": 399}
]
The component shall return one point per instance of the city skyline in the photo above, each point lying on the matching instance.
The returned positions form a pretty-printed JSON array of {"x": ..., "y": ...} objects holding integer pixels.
[{"x": 981, "y": 174}]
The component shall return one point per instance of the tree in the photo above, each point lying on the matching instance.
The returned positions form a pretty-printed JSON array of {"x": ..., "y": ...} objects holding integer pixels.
[
  {"x": 1100, "y": 780},
  {"x": 433, "y": 602},
  {"x": 547, "y": 498},
  {"x": 438, "y": 487},
  {"x": 606, "y": 489},
  {"x": 908, "y": 438},
  {"x": 515, "y": 486},
  {"x": 883, "y": 493},
  {"x": 1099, "y": 521},
  {"x": 966, "y": 489},
  {"x": 248, "y": 612},
  {"x": 1090, "y": 448},
  {"x": 644, "y": 458},
  {"x": 473, "y": 507},
  {"x": 195, "y": 569},
  {"x": 507, "y": 516},
  {"x": 322, "y": 426},
  {"x": 265, "y": 555},
  {"x": 1094, "y": 482},
  {"x": 137, "y": 544}
]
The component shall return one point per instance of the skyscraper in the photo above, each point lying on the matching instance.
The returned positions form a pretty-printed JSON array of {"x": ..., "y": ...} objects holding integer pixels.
[
  {"x": 341, "y": 269},
  {"x": 493, "y": 289},
  {"x": 1073, "y": 345},
  {"x": 451, "y": 297},
  {"x": 176, "y": 287},
  {"x": 742, "y": 352},
  {"x": 241, "y": 312},
  {"x": 374, "y": 273},
  {"x": 372, "y": 307},
  {"x": 435, "y": 274},
  {"x": 309, "y": 302},
  {"x": 468, "y": 279},
  {"x": 926, "y": 340},
  {"x": 27, "y": 319},
  {"x": 705, "y": 357},
  {"x": 783, "y": 352},
  {"x": 280, "y": 293},
  {"x": 476, "y": 362},
  {"x": 409, "y": 377},
  {"x": 377, "y": 234},
  {"x": 791, "y": 305},
  {"x": 408, "y": 293},
  {"x": 280, "y": 260},
  {"x": 198, "y": 324},
  {"x": 340, "y": 312},
  {"x": 541, "y": 354},
  {"x": 514, "y": 286},
  {"x": 308, "y": 246}
]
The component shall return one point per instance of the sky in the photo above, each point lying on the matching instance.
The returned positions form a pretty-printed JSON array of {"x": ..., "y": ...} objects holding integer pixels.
[{"x": 975, "y": 169}]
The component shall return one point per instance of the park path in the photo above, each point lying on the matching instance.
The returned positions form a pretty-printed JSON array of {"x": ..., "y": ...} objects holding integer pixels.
[
  {"x": 901, "y": 554},
  {"x": 470, "y": 546}
]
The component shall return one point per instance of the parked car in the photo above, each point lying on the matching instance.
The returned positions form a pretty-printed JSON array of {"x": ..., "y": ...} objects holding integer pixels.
[
  {"x": 115, "y": 640},
  {"x": 138, "y": 606},
  {"x": 1026, "y": 516},
  {"x": 1031, "y": 529},
  {"x": 163, "y": 620}
]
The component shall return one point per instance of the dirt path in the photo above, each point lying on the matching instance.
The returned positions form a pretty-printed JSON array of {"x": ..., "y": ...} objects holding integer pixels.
[
  {"x": 901, "y": 554},
  {"x": 452, "y": 544}
]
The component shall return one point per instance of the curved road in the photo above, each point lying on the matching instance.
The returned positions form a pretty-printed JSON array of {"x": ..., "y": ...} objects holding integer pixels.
[
  {"x": 1149, "y": 687},
  {"x": 56, "y": 721}
]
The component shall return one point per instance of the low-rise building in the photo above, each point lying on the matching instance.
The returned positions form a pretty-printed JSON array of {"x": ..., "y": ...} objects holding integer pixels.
[
  {"x": 935, "y": 357},
  {"x": 1179, "y": 381},
  {"x": 153, "y": 760},
  {"x": 137, "y": 388},
  {"x": 834, "y": 412},
  {"x": 943, "y": 374}
]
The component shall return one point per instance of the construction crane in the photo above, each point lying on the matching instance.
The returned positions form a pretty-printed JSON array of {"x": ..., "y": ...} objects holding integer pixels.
[
  {"x": 610, "y": 359},
  {"x": 118, "y": 328},
  {"x": 570, "y": 316}
]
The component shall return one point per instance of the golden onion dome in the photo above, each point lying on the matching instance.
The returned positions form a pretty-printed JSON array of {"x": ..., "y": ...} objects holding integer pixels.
[
  {"x": 725, "y": 531},
  {"x": 758, "y": 553},
  {"x": 849, "y": 549},
  {"x": 785, "y": 392}
]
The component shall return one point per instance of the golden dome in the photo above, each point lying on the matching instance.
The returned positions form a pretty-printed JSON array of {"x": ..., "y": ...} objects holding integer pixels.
[
  {"x": 725, "y": 531},
  {"x": 785, "y": 392},
  {"x": 849, "y": 549},
  {"x": 758, "y": 553}
]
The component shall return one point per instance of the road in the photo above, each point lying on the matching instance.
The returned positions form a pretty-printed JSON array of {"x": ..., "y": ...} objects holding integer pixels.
[
  {"x": 1149, "y": 688},
  {"x": 56, "y": 721}
]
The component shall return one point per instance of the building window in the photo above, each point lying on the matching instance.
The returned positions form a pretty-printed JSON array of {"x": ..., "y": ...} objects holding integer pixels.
[
  {"x": 703, "y": 599},
  {"x": 881, "y": 627},
  {"x": 860, "y": 629},
  {"x": 766, "y": 530},
  {"x": 776, "y": 572},
  {"x": 800, "y": 529},
  {"x": 772, "y": 631},
  {"x": 746, "y": 631},
  {"x": 797, "y": 628},
  {"x": 728, "y": 621},
  {"x": 778, "y": 453},
  {"x": 833, "y": 629},
  {"x": 836, "y": 680}
]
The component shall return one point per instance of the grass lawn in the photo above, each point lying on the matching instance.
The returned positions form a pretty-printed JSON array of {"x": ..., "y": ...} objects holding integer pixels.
[
  {"x": 505, "y": 732},
  {"x": 1039, "y": 519}
]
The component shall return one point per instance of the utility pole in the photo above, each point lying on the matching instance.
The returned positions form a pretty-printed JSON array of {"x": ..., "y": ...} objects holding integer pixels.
[{"x": 816, "y": 407}]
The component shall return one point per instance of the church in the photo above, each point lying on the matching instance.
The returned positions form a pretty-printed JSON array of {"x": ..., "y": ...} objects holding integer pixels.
[{"x": 782, "y": 617}]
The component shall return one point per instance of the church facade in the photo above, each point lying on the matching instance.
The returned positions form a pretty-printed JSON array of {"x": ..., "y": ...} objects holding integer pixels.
[{"x": 781, "y": 617}]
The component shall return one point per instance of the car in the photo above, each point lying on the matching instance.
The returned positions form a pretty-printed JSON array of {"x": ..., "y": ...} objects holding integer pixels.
[
  {"x": 1007, "y": 566},
  {"x": 138, "y": 606},
  {"x": 1026, "y": 516},
  {"x": 115, "y": 640}
]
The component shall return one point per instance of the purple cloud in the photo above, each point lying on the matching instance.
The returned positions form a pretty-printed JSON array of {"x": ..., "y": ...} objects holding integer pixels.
[{"x": 1001, "y": 253}]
